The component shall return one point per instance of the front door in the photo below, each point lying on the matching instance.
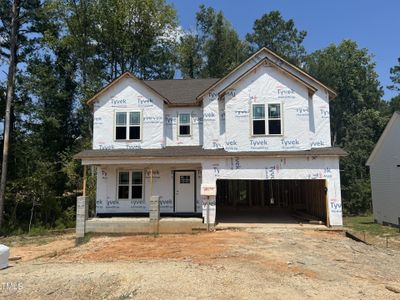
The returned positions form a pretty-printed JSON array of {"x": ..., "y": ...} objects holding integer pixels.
[{"x": 184, "y": 191}]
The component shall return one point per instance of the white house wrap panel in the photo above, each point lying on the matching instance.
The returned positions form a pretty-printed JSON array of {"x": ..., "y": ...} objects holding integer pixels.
[{"x": 128, "y": 96}]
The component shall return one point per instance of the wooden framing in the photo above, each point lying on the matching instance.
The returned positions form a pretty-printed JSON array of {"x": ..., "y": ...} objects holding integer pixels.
[
  {"x": 84, "y": 180},
  {"x": 308, "y": 196}
]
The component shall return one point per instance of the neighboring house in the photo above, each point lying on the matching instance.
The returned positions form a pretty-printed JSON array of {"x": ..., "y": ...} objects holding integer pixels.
[
  {"x": 384, "y": 165},
  {"x": 257, "y": 139}
]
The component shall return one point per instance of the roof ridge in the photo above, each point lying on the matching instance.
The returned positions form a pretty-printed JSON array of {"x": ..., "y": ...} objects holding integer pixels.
[{"x": 177, "y": 79}]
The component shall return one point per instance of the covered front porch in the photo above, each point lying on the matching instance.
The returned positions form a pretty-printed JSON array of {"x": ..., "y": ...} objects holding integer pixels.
[{"x": 124, "y": 190}]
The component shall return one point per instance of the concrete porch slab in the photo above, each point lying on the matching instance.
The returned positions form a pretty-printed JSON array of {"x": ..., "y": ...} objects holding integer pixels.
[{"x": 142, "y": 225}]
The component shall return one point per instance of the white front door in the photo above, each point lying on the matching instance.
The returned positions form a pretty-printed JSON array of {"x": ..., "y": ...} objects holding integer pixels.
[{"x": 184, "y": 191}]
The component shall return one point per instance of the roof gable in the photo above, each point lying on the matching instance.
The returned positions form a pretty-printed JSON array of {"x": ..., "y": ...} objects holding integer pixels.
[
  {"x": 279, "y": 62},
  {"x": 392, "y": 122},
  {"x": 119, "y": 79},
  {"x": 268, "y": 62},
  {"x": 189, "y": 92}
]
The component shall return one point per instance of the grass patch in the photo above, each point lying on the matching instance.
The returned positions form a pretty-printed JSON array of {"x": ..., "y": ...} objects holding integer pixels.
[{"x": 366, "y": 223}]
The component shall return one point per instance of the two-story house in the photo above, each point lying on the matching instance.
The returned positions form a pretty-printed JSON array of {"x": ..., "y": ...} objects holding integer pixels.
[{"x": 258, "y": 138}]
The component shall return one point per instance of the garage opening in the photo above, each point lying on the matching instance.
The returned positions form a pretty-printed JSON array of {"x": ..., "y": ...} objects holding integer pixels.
[{"x": 271, "y": 201}]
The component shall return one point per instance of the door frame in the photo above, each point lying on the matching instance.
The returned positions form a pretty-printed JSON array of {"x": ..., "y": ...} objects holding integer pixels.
[{"x": 195, "y": 188}]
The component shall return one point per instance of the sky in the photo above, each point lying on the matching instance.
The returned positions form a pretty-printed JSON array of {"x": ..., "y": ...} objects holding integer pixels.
[{"x": 374, "y": 25}]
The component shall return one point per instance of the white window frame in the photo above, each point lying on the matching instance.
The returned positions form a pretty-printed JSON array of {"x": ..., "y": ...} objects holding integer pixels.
[
  {"x": 184, "y": 124},
  {"x": 280, "y": 118},
  {"x": 252, "y": 120},
  {"x": 267, "y": 119},
  {"x": 128, "y": 125},
  {"x": 130, "y": 184}
]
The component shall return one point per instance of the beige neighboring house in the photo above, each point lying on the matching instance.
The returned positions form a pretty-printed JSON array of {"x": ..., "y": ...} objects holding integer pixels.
[{"x": 384, "y": 164}]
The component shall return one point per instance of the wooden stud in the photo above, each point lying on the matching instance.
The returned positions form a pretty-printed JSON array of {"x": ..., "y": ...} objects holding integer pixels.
[{"x": 84, "y": 180}]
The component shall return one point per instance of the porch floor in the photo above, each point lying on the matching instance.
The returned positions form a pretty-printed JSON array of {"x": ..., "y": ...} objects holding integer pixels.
[{"x": 142, "y": 225}]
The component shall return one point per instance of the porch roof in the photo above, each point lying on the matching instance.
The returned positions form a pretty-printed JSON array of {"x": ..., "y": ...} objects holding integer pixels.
[{"x": 198, "y": 151}]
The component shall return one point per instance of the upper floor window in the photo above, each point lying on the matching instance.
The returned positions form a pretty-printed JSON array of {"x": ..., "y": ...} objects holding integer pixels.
[
  {"x": 274, "y": 119},
  {"x": 128, "y": 125},
  {"x": 258, "y": 119},
  {"x": 184, "y": 124},
  {"x": 270, "y": 124}
]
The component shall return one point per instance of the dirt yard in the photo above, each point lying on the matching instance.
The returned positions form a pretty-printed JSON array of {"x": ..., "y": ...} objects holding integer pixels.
[{"x": 250, "y": 263}]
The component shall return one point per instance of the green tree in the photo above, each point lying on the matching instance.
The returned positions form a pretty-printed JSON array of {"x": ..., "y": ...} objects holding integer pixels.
[
  {"x": 190, "y": 59},
  {"x": 394, "y": 103},
  {"x": 224, "y": 50},
  {"x": 131, "y": 34},
  {"x": 17, "y": 19},
  {"x": 351, "y": 72},
  {"x": 214, "y": 50},
  {"x": 363, "y": 131},
  {"x": 281, "y": 36},
  {"x": 395, "y": 77}
]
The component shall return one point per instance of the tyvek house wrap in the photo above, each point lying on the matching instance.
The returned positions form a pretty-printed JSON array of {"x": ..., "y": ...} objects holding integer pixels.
[
  {"x": 227, "y": 121},
  {"x": 267, "y": 85},
  {"x": 171, "y": 126},
  {"x": 128, "y": 95},
  {"x": 277, "y": 168},
  {"x": 162, "y": 185}
]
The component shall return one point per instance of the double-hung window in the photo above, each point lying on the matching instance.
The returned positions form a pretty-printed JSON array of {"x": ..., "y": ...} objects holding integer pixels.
[
  {"x": 258, "y": 119},
  {"x": 184, "y": 124},
  {"x": 266, "y": 124},
  {"x": 128, "y": 125},
  {"x": 130, "y": 185},
  {"x": 274, "y": 119}
]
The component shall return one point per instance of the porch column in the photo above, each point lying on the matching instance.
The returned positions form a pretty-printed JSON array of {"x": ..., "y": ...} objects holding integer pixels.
[
  {"x": 82, "y": 205},
  {"x": 208, "y": 193},
  {"x": 154, "y": 214}
]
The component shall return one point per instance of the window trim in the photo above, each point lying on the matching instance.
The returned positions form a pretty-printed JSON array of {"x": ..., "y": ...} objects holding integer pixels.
[
  {"x": 128, "y": 125},
  {"x": 185, "y": 124},
  {"x": 280, "y": 118},
  {"x": 252, "y": 120},
  {"x": 266, "y": 119},
  {"x": 130, "y": 184}
]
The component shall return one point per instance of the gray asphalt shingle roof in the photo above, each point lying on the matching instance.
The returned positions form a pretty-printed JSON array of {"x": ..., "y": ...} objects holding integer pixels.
[{"x": 181, "y": 91}]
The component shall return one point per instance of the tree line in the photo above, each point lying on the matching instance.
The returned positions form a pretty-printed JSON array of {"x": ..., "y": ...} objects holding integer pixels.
[{"x": 58, "y": 53}]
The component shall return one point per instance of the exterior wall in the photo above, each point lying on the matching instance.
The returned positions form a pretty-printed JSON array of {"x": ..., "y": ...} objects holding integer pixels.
[
  {"x": 171, "y": 127},
  {"x": 106, "y": 195},
  {"x": 385, "y": 178},
  {"x": 278, "y": 168},
  {"x": 306, "y": 120},
  {"x": 320, "y": 126},
  {"x": 128, "y": 95},
  {"x": 267, "y": 85}
]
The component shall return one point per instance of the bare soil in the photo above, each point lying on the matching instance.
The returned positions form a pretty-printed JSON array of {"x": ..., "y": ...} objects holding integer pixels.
[{"x": 251, "y": 263}]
